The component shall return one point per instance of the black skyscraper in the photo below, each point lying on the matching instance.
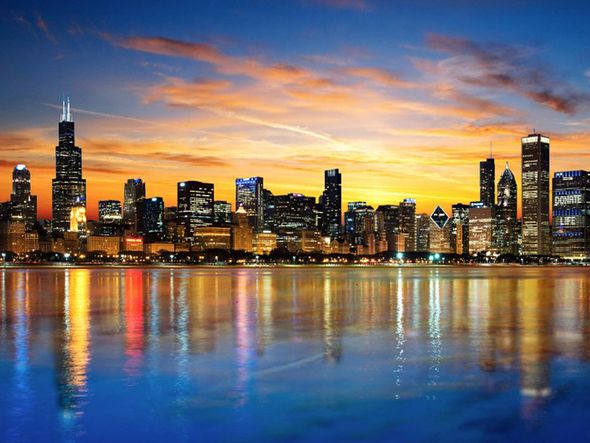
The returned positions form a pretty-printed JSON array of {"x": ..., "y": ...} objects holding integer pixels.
[
  {"x": 69, "y": 188},
  {"x": 332, "y": 203},
  {"x": 133, "y": 194},
  {"x": 487, "y": 179},
  {"x": 150, "y": 219}
]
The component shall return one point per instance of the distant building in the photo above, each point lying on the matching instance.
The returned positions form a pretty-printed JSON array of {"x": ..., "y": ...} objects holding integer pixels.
[
  {"x": 195, "y": 206},
  {"x": 109, "y": 245},
  {"x": 440, "y": 231},
  {"x": 109, "y": 211},
  {"x": 133, "y": 193},
  {"x": 132, "y": 243},
  {"x": 68, "y": 186},
  {"x": 241, "y": 232},
  {"x": 387, "y": 219},
  {"x": 536, "y": 238},
  {"x": 269, "y": 219},
  {"x": 294, "y": 212},
  {"x": 407, "y": 214},
  {"x": 331, "y": 203},
  {"x": 23, "y": 203},
  {"x": 481, "y": 228},
  {"x": 222, "y": 213},
  {"x": 212, "y": 237},
  {"x": 264, "y": 242},
  {"x": 249, "y": 195},
  {"x": 12, "y": 236},
  {"x": 158, "y": 247},
  {"x": 422, "y": 232},
  {"x": 349, "y": 219},
  {"x": 150, "y": 219},
  {"x": 460, "y": 228},
  {"x": 506, "y": 230},
  {"x": 78, "y": 220},
  {"x": 571, "y": 214},
  {"x": 487, "y": 182}
]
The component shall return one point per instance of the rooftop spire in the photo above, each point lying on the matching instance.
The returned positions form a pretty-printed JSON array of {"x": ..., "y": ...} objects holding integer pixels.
[{"x": 66, "y": 114}]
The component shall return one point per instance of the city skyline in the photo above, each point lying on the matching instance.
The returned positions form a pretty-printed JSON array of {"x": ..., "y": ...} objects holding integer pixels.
[{"x": 375, "y": 91}]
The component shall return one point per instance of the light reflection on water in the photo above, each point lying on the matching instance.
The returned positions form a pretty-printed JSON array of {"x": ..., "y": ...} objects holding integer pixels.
[{"x": 295, "y": 354}]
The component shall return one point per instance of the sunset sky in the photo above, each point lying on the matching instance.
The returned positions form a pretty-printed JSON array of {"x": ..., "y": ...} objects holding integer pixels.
[{"x": 403, "y": 96}]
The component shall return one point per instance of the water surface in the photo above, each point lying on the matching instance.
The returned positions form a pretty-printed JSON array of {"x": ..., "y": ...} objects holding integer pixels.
[{"x": 295, "y": 354}]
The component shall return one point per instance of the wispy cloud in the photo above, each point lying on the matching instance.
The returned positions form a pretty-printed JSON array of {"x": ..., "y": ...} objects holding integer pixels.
[
  {"x": 501, "y": 67},
  {"x": 44, "y": 28}
]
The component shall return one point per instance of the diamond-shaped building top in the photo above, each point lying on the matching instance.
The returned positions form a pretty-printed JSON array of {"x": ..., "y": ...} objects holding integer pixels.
[{"x": 439, "y": 217}]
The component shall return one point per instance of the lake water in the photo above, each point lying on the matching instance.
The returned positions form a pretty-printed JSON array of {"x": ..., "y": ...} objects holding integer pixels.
[{"x": 295, "y": 354}]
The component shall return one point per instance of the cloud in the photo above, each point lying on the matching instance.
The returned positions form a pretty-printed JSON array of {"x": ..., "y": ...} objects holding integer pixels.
[
  {"x": 503, "y": 67},
  {"x": 42, "y": 25},
  {"x": 381, "y": 76}
]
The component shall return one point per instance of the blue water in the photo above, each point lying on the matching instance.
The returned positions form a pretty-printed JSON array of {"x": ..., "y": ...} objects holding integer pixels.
[{"x": 293, "y": 354}]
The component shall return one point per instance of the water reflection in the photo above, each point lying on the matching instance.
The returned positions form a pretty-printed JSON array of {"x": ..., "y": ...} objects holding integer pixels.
[{"x": 217, "y": 338}]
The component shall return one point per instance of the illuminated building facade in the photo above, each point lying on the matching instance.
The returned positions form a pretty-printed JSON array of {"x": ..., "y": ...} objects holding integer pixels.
[
  {"x": 68, "y": 186},
  {"x": 331, "y": 202},
  {"x": 212, "y": 237},
  {"x": 222, "y": 214},
  {"x": 264, "y": 242},
  {"x": 460, "y": 228},
  {"x": 23, "y": 205},
  {"x": 150, "y": 219},
  {"x": 249, "y": 195},
  {"x": 109, "y": 245},
  {"x": 536, "y": 238},
  {"x": 440, "y": 231},
  {"x": 571, "y": 214},
  {"x": 481, "y": 228},
  {"x": 487, "y": 182},
  {"x": 195, "y": 206},
  {"x": 422, "y": 232},
  {"x": 133, "y": 193},
  {"x": 407, "y": 214},
  {"x": 506, "y": 228},
  {"x": 109, "y": 211}
]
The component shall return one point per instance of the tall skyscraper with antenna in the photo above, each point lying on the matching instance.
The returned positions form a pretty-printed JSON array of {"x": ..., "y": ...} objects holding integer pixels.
[
  {"x": 487, "y": 179},
  {"x": 68, "y": 186}
]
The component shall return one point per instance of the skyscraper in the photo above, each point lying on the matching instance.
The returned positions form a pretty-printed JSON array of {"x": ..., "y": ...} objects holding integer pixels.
[
  {"x": 481, "y": 228},
  {"x": 249, "y": 195},
  {"x": 487, "y": 181},
  {"x": 388, "y": 223},
  {"x": 133, "y": 193},
  {"x": 506, "y": 235},
  {"x": 23, "y": 203},
  {"x": 150, "y": 219},
  {"x": 535, "y": 195},
  {"x": 222, "y": 215},
  {"x": 294, "y": 212},
  {"x": 571, "y": 214},
  {"x": 332, "y": 203},
  {"x": 68, "y": 186},
  {"x": 460, "y": 228},
  {"x": 440, "y": 231},
  {"x": 109, "y": 211},
  {"x": 268, "y": 200},
  {"x": 407, "y": 214},
  {"x": 195, "y": 206}
]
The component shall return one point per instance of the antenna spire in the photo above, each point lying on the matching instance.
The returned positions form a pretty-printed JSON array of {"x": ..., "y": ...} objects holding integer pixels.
[
  {"x": 63, "y": 109},
  {"x": 69, "y": 114}
]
